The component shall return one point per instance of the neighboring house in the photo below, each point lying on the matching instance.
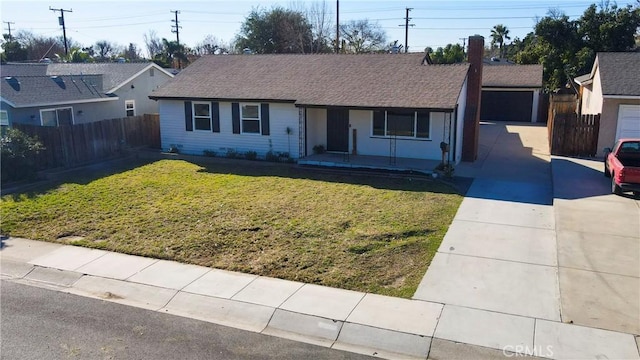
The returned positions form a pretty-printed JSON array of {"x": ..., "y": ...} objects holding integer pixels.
[
  {"x": 612, "y": 89},
  {"x": 371, "y": 104},
  {"x": 56, "y": 94},
  {"x": 510, "y": 92}
]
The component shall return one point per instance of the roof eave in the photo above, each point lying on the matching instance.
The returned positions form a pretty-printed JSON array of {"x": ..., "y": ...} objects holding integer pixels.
[{"x": 56, "y": 103}]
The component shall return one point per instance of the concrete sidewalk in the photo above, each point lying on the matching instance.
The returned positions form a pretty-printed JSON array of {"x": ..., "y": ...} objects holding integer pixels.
[{"x": 516, "y": 266}]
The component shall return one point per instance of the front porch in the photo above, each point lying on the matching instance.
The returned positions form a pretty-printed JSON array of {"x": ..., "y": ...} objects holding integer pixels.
[{"x": 346, "y": 160}]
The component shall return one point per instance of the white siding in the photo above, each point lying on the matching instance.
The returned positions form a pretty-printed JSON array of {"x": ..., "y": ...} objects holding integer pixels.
[
  {"x": 281, "y": 116},
  {"x": 462, "y": 107},
  {"x": 316, "y": 128},
  {"x": 592, "y": 100},
  {"x": 362, "y": 122}
]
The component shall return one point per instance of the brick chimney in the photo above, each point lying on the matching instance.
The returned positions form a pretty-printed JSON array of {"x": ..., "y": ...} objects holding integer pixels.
[{"x": 471, "y": 128}]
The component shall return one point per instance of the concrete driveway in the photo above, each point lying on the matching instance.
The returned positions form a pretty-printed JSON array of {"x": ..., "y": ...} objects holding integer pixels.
[
  {"x": 598, "y": 236},
  {"x": 538, "y": 244}
]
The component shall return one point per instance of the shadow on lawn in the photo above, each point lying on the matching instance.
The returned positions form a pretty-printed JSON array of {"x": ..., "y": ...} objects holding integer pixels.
[
  {"x": 377, "y": 179},
  {"x": 81, "y": 176}
]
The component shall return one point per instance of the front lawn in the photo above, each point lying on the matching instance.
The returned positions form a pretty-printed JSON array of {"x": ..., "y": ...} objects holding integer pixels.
[{"x": 367, "y": 233}]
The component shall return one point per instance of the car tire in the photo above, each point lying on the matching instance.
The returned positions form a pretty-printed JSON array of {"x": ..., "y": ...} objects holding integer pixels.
[
  {"x": 607, "y": 174},
  {"x": 615, "y": 189}
]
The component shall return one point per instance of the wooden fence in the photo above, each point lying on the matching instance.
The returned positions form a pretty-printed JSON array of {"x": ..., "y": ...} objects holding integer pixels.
[
  {"x": 575, "y": 135},
  {"x": 79, "y": 144},
  {"x": 571, "y": 134}
]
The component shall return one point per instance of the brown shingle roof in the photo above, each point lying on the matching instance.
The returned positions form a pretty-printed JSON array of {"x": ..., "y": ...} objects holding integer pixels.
[
  {"x": 620, "y": 73},
  {"x": 372, "y": 80},
  {"x": 512, "y": 76}
]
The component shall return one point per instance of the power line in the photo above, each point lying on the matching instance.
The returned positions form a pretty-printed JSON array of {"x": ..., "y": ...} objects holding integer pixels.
[
  {"x": 64, "y": 29},
  {"x": 9, "y": 28}
]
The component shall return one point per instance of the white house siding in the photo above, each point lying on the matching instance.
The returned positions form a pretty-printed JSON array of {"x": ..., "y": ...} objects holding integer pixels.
[
  {"x": 592, "y": 100},
  {"x": 143, "y": 85},
  {"x": 362, "y": 122},
  {"x": 316, "y": 128},
  {"x": 462, "y": 107},
  {"x": 281, "y": 116}
]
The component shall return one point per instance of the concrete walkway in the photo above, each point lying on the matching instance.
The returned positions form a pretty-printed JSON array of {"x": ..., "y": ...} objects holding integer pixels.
[
  {"x": 499, "y": 271},
  {"x": 528, "y": 252}
]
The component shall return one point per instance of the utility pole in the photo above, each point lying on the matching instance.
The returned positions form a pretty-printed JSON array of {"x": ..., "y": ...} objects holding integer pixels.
[
  {"x": 176, "y": 29},
  {"x": 464, "y": 43},
  {"x": 337, "y": 26},
  {"x": 64, "y": 29},
  {"x": 9, "y": 29},
  {"x": 406, "y": 30}
]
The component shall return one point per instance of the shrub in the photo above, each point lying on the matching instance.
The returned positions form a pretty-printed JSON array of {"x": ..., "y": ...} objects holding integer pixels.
[
  {"x": 271, "y": 156},
  {"x": 18, "y": 155},
  {"x": 251, "y": 155},
  {"x": 232, "y": 154},
  {"x": 209, "y": 153},
  {"x": 319, "y": 149}
]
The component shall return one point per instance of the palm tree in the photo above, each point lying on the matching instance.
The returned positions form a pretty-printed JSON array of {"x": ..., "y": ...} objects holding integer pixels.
[{"x": 499, "y": 34}]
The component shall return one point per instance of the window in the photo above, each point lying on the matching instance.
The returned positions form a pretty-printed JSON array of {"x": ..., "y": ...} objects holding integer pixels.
[
  {"x": 130, "y": 107},
  {"x": 402, "y": 123},
  {"x": 202, "y": 115},
  {"x": 250, "y": 118},
  {"x": 56, "y": 117},
  {"x": 4, "y": 118}
]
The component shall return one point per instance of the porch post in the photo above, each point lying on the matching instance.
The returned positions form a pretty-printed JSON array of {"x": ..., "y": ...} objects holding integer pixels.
[{"x": 302, "y": 133}]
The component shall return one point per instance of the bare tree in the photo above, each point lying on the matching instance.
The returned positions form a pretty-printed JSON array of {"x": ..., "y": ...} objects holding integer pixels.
[
  {"x": 211, "y": 45},
  {"x": 153, "y": 44},
  {"x": 105, "y": 49},
  {"x": 319, "y": 17},
  {"x": 362, "y": 36}
]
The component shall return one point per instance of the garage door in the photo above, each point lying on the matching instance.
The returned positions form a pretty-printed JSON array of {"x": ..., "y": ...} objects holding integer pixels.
[
  {"x": 628, "y": 122},
  {"x": 506, "y": 105}
]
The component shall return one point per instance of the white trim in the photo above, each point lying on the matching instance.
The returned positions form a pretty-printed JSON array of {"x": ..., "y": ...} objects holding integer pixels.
[
  {"x": 618, "y": 122},
  {"x": 509, "y": 89},
  {"x": 8, "y": 102},
  {"x": 259, "y": 119},
  {"x": 6, "y": 115},
  {"x": 151, "y": 65},
  {"x": 64, "y": 103},
  {"x": 73, "y": 122},
  {"x": 415, "y": 128},
  {"x": 630, "y": 97},
  {"x": 193, "y": 115},
  {"x": 534, "y": 106},
  {"x": 126, "y": 102}
]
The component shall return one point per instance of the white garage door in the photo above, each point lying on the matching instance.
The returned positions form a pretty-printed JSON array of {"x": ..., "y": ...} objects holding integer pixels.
[{"x": 628, "y": 122}]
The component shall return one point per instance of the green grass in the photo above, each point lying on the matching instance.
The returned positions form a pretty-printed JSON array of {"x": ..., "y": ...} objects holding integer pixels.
[{"x": 367, "y": 233}]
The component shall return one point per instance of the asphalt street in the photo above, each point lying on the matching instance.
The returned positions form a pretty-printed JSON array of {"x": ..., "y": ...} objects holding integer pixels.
[{"x": 40, "y": 324}]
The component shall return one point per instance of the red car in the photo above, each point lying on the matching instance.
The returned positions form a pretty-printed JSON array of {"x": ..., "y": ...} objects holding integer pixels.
[{"x": 622, "y": 165}]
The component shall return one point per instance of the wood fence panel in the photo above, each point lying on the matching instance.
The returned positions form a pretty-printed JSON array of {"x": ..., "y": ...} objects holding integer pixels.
[
  {"x": 575, "y": 135},
  {"x": 78, "y": 144}
]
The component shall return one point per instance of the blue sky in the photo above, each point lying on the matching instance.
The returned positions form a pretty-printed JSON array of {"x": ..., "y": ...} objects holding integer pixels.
[{"x": 437, "y": 23}]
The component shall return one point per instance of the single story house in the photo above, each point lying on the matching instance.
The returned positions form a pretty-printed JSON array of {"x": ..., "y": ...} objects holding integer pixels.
[
  {"x": 510, "y": 92},
  {"x": 73, "y": 93},
  {"x": 384, "y": 105},
  {"x": 612, "y": 89}
]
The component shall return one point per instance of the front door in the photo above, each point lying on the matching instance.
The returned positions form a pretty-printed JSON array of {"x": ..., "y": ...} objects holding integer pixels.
[{"x": 338, "y": 130}]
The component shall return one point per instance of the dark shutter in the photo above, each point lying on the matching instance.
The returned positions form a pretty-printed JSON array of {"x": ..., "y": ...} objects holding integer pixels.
[
  {"x": 264, "y": 118},
  {"x": 188, "y": 119},
  {"x": 235, "y": 117},
  {"x": 215, "y": 116},
  {"x": 378, "y": 123}
]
